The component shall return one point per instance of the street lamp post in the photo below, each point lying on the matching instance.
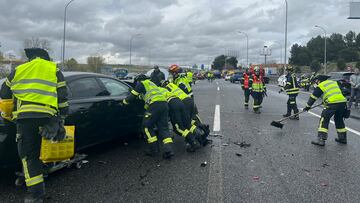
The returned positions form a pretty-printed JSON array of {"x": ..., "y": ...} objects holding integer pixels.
[
  {"x": 131, "y": 39},
  {"x": 247, "y": 48},
  {"x": 325, "y": 65},
  {"x": 286, "y": 25},
  {"x": 63, "y": 46}
]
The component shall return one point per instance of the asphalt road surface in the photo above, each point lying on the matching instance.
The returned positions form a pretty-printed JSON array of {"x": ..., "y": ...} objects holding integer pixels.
[{"x": 278, "y": 166}]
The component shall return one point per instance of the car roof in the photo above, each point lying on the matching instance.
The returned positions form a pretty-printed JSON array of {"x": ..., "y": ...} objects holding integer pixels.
[{"x": 76, "y": 73}]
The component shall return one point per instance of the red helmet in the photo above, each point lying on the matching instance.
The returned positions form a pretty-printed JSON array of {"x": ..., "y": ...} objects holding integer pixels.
[{"x": 174, "y": 68}]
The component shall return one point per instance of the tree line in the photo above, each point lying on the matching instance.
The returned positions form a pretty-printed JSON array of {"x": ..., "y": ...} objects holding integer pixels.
[{"x": 341, "y": 49}]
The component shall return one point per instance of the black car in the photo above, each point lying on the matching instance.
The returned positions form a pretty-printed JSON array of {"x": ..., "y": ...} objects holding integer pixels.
[
  {"x": 343, "y": 78},
  {"x": 94, "y": 109},
  {"x": 236, "y": 77}
]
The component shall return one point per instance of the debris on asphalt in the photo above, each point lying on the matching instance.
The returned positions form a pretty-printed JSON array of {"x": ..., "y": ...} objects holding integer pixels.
[
  {"x": 256, "y": 178},
  {"x": 145, "y": 175},
  {"x": 203, "y": 164},
  {"x": 238, "y": 154},
  {"x": 325, "y": 165},
  {"x": 126, "y": 144},
  {"x": 84, "y": 161},
  {"x": 306, "y": 170},
  {"x": 225, "y": 144},
  {"x": 323, "y": 183},
  {"x": 102, "y": 162},
  {"x": 158, "y": 165},
  {"x": 243, "y": 144}
]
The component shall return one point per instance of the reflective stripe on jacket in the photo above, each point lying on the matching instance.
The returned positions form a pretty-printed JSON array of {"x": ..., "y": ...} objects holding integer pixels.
[
  {"x": 153, "y": 92},
  {"x": 291, "y": 86},
  {"x": 258, "y": 85},
  {"x": 183, "y": 80},
  {"x": 331, "y": 92},
  {"x": 175, "y": 91},
  {"x": 35, "y": 82}
]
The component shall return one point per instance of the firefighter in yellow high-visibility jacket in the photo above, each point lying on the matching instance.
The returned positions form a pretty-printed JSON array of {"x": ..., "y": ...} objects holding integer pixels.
[{"x": 40, "y": 97}]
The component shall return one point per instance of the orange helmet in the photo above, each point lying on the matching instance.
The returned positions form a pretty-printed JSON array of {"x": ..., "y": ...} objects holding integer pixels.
[{"x": 174, "y": 68}]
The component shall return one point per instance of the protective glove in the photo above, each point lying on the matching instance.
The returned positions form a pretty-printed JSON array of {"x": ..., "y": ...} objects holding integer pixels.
[
  {"x": 61, "y": 133},
  {"x": 307, "y": 108}
]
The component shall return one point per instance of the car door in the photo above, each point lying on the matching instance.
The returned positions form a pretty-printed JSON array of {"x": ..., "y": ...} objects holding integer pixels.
[
  {"x": 121, "y": 119},
  {"x": 86, "y": 101}
]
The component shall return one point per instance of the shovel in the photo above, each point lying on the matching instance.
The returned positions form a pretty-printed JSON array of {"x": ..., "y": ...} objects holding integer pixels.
[{"x": 278, "y": 123}]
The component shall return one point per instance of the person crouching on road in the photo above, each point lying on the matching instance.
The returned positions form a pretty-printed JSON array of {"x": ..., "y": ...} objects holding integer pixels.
[
  {"x": 292, "y": 90},
  {"x": 179, "y": 117},
  {"x": 34, "y": 108},
  {"x": 245, "y": 81},
  {"x": 258, "y": 89},
  {"x": 156, "y": 115},
  {"x": 335, "y": 105},
  {"x": 181, "y": 81}
]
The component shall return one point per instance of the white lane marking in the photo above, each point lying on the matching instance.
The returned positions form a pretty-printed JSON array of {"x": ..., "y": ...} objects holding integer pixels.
[
  {"x": 332, "y": 122},
  {"x": 217, "y": 119},
  {"x": 218, "y": 89},
  {"x": 217, "y": 83},
  {"x": 215, "y": 179}
]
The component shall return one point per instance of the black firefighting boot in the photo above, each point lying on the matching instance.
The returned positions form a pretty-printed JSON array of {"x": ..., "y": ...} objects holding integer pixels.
[
  {"x": 320, "y": 140},
  {"x": 36, "y": 194},
  {"x": 152, "y": 150},
  {"x": 257, "y": 111},
  {"x": 246, "y": 106},
  {"x": 288, "y": 112},
  {"x": 295, "y": 117},
  {"x": 341, "y": 138},
  {"x": 168, "y": 151},
  {"x": 192, "y": 143}
]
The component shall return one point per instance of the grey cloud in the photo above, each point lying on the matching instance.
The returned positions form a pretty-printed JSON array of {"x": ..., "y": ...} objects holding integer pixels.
[{"x": 183, "y": 31}]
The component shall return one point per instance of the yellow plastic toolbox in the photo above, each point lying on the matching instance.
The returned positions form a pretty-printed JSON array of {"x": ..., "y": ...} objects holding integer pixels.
[{"x": 59, "y": 151}]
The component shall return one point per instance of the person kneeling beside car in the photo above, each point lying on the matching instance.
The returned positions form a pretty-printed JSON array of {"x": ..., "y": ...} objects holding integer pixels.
[{"x": 156, "y": 115}]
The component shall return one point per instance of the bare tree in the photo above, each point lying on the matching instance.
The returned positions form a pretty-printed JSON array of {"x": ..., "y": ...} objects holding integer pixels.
[{"x": 38, "y": 43}]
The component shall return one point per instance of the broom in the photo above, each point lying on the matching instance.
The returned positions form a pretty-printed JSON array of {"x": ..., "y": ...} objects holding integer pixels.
[{"x": 278, "y": 123}]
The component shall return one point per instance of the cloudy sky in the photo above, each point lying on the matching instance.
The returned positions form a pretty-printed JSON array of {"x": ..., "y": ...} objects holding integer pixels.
[{"x": 182, "y": 31}]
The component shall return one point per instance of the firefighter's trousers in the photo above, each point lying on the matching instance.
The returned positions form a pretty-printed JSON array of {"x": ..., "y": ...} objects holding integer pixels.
[
  {"x": 258, "y": 98},
  {"x": 292, "y": 105},
  {"x": 29, "y": 144},
  {"x": 336, "y": 110},
  {"x": 247, "y": 96},
  {"x": 157, "y": 116},
  {"x": 180, "y": 118},
  {"x": 192, "y": 111}
]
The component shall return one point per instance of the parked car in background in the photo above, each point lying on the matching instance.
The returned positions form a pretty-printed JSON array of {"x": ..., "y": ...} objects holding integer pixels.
[
  {"x": 94, "y": 109},
  {"x": 131, "y": 76},
  {"x": 282, "y": 81},
  {"x": 227, "y": 77},
  {"x": 236, "y": 77},
  {"x": 343, "y": 78}
]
